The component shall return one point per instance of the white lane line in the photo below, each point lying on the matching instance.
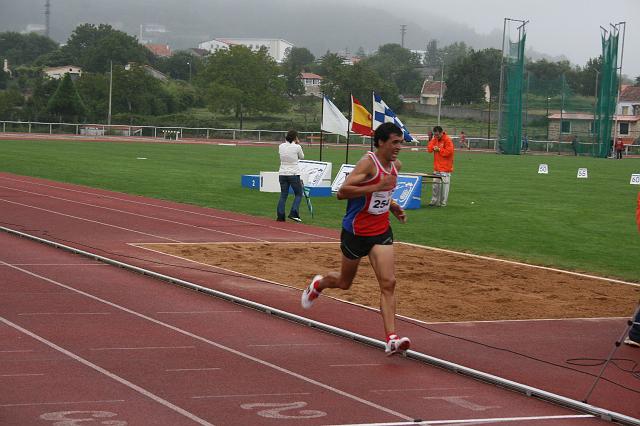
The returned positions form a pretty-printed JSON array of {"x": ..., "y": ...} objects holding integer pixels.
[
  {"x": 354, "y": 365},
  {"x": 142, "y": 348},
  {"x": 515, "y": 320},
  {"x": 134, "y": 214},
  {"x": 278, "y": 345},
  {"x": 193, "y": 369},
  {"x": 17, "y": 351},
  {"x": 28, "y": 404},
  {"x": 222, "y": 347},
  {"x": 59, "y": 264},
  {"x": 21, "y": 374},
  {"x": 90, "y": 220},
  {"x": 63, "y": 313},
  {"x": 244, "y": 222},
  {"x": 513, "y": 262},
  {"x": 249, "y": 395},
  {"x": 109, "y": 374},
  {"x": 198, "y": 312},
  {"x": 474, "y": 421},
  {"x": 420, "y": 389}
]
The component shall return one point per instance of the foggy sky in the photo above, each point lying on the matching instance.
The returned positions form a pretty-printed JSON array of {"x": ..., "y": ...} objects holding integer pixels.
[{"x": 558, "y": 28}]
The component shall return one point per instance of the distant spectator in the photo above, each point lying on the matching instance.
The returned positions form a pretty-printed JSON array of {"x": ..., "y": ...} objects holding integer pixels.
[
  {"x": 289, "y": 176},
  {"x": 574, "y": 144},
  {"x": 463, "y": 140},
  {"x": 442, "y": 148},
  {"x": 525, "y": 143},
  {"x": 619, "y": 149}
]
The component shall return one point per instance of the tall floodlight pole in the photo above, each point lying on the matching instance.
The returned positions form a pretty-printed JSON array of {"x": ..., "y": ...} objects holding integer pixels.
[
  {"x": 441, "y": 83},
  {"x": 403, "y": 31},
  {"x": 110, "y": 91}
]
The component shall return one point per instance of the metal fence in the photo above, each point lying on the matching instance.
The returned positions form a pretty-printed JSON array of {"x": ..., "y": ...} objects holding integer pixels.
[{"x": 258, "y": 135}]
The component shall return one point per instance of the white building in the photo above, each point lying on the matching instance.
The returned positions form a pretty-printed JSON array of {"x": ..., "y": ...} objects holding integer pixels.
[
  {"x": 276, "y": 47},
  {"x": 58, "y": 72}
]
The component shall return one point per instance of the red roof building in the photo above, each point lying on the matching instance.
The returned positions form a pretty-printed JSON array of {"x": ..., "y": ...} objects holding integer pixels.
[{"x": 161, "y": 50}]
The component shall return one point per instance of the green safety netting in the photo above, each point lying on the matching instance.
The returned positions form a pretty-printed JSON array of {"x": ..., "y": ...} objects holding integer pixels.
[
  {"x": 510, "y": 136},
  {"x": 607, "y": 95}
]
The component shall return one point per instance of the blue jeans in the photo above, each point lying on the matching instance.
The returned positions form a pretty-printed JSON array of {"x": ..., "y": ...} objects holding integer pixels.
[{"x": 295, "y": 183}]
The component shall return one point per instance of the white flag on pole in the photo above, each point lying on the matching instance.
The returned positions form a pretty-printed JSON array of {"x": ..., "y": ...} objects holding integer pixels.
[{"x": 333, "y": 121}]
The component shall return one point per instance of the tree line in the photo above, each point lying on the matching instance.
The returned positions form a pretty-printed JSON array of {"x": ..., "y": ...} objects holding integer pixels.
[{"x": 236, "y": 81}]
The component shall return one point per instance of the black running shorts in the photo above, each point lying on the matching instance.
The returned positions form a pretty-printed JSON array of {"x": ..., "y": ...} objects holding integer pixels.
[{"x": 355, "y": 247}]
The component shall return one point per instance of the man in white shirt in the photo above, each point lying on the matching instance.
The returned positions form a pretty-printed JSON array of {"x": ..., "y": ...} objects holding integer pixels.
[{"x": 290, "y": 153}]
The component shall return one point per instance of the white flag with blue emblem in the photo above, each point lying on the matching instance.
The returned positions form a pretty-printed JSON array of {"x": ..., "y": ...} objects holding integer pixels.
[{"x": 383, "y": 114}]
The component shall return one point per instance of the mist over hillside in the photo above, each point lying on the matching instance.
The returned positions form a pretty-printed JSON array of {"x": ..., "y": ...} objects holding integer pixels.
[{"x": 330, "y": 25}]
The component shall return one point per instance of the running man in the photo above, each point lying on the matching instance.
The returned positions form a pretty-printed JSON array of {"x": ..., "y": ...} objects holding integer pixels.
[{"x": 366, "y": 230}]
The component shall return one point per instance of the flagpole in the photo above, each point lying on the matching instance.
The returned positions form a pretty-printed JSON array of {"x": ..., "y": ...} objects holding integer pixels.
[
  {"x": 373, "y": 101},
  {"x": 346, "y": 161},
  {"x": 321, "y": 118}
]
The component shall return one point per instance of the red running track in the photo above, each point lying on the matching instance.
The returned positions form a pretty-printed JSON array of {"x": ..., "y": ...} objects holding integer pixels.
[{"x": 128, "y": 336}]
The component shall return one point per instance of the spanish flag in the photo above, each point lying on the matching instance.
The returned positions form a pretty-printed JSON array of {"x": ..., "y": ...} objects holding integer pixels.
[{"x": 360, "y": 119}]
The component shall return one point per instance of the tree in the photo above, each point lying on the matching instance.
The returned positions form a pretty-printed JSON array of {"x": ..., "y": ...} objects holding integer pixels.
[
  {"x": 466, "y": 77},
  {"x": 637, "y": 83},
  {"x": 23, "y": 49},
  {"x": 10, "y": 103},
  {"x": 182, "y": 65},
  {"x": 432, "y": 55},
  {"x": 66, "y": 102},
  {"x": 242, "y": 81},
  {"x": 398, "y": 65},
  {"x": 297, "y": 60},
  {"x": 92, "y": 48}
]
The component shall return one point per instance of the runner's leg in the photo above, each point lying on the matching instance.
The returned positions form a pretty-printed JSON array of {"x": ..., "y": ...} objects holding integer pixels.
[{"x": 382, "y": 260}]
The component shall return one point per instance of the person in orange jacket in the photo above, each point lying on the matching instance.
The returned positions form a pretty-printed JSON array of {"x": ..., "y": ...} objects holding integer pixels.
[
  {"x": 633, "y": 339},
  {"x": 442, "y": 148}
]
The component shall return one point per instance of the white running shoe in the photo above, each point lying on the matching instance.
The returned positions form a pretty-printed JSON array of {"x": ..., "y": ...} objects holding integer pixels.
[
  {"x": 397, "y": 344},
  {"x": 310, "y": 294}
]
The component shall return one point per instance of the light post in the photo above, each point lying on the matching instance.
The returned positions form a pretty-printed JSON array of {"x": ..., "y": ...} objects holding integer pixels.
[
  {"x": 189, "y": 63},
  {"x": 548, "y": 99},
  {"x": 441, "y": 83}
]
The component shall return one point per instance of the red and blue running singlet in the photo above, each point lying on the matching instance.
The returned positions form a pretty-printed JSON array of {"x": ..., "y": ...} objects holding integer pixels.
[{"x": 368, "y": 215}]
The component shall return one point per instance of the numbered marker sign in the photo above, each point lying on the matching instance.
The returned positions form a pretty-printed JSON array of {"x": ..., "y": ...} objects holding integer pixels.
[
  {"x": 635, "y": 179},
  {"x": 543, "y": 169},
  {"x": 582, "y": 173}
]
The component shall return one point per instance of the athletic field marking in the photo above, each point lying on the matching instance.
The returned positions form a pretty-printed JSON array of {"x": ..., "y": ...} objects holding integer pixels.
[
  {"x": 199, "y": 312},
  {"x": 472, "y": 421},
  {"x": 170, "y": 208},
  {"x": 513, "y": 262},
  {"x": 277, "y": 345},
  {"x": 210, "y": 342},
  {"x": 421, "y": 389},
  {"x": 21, "y": 374},
  {"x": 89, "y": 220},
  {"x": 142, "y": 348},
  {"x": 17, "y": 351},
  {"x": 266, "y": 242},
  {"x": 63, "y": 313},
  {"x": 355, "y": 365},
  {"x": 58, "y": 264},
  {"x": 28, "y": 404},
  {"x": 250, "y": 395},
  {"x": 134, "y": 214},
  {"x": 193, "y": 369},
  {"x": 107, "y": 373}
]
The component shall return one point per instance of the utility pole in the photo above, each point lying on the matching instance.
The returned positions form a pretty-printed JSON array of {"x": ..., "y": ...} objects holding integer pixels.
[
  {"x": 403, "y": 31},
  {"x": 110, "y": 91},
  {"x": 47, "y": 15},
  {"x": 441, "y": 83}
]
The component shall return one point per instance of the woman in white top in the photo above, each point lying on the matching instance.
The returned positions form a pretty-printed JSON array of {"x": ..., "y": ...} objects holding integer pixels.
[{"x": 290, "y": 153}]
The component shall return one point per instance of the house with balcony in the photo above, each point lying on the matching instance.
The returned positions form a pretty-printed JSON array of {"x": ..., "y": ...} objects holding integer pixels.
[
  {"x": 311, "y": 83},
  {"x": 57, "y": 73}
]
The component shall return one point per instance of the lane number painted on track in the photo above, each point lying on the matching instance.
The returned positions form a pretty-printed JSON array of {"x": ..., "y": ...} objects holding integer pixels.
[
  {"x": 274, "y": 410},
  {"x": 73, "y": 418}
]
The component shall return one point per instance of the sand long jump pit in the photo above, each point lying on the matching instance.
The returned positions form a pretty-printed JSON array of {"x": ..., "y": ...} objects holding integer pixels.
[{"x": 432, "y": 285}]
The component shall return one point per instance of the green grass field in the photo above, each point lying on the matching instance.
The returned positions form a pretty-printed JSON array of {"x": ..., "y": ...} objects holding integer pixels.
[{"x": 498, "y": 205}]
